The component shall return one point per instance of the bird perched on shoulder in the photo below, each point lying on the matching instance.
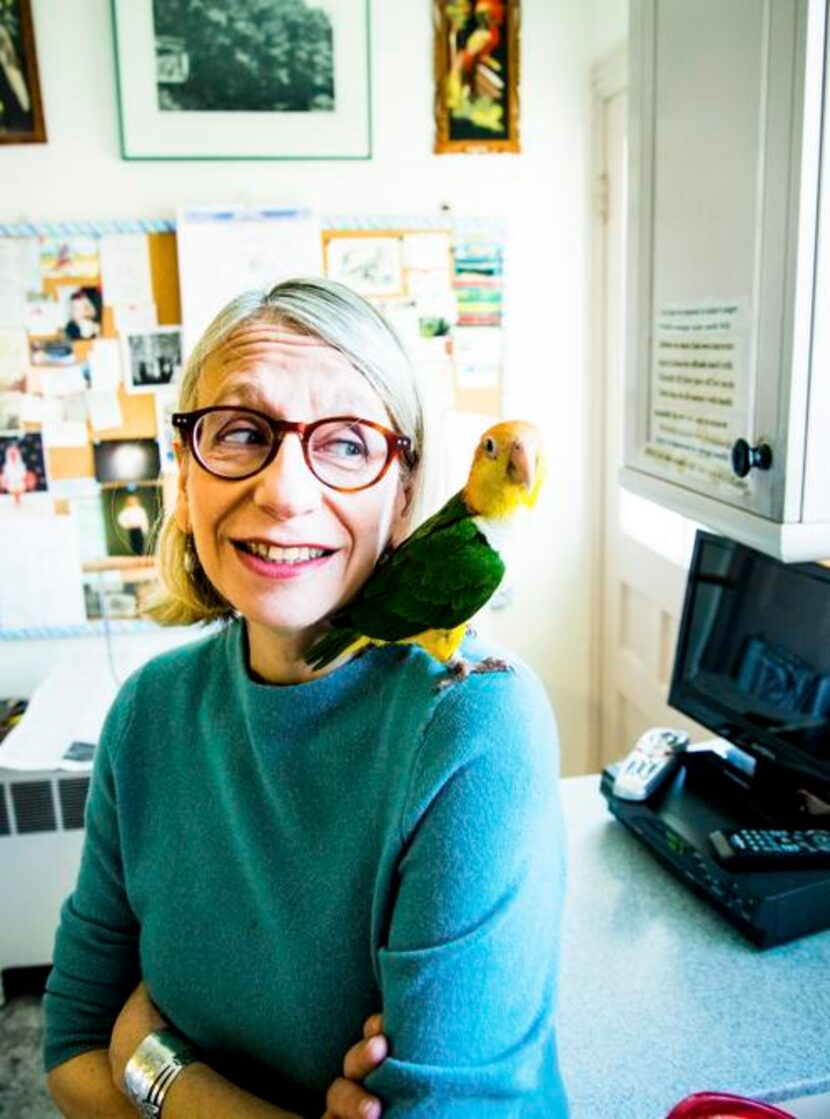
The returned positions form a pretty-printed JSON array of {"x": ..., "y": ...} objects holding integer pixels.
[{"x": 427, "y": 589}]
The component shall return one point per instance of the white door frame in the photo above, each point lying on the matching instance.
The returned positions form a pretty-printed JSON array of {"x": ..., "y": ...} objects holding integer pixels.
[{"x": 609, "y": 78}]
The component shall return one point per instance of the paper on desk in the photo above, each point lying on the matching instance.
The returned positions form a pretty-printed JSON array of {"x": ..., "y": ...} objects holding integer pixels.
[{"x": 69, "y": 706}]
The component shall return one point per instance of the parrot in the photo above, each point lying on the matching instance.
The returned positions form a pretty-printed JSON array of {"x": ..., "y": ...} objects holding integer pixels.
[{"x": 426, "y": 589}]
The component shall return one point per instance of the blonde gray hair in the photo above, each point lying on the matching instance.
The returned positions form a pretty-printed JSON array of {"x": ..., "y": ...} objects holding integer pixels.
[{"x": 346, "y": 322}]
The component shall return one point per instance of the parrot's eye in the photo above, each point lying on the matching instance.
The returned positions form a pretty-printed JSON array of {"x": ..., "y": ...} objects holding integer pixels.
[{"x": 489, "y": 445}]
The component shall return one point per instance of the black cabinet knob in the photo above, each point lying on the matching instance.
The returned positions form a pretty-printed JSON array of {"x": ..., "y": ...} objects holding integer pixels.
[{"x": 744, "y": 457}]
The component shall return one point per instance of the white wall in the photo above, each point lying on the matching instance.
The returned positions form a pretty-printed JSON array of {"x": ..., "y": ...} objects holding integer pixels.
[
  {"x": 544, "y": 193},
  {"x": 610, "y": 25}
]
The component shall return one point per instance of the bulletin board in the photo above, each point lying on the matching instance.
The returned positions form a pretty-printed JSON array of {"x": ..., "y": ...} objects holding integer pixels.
[{"x": 90, "y": 360}]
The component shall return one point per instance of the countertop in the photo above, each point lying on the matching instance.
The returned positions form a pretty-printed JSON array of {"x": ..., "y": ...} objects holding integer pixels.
[{"x": 659, "y": 995}]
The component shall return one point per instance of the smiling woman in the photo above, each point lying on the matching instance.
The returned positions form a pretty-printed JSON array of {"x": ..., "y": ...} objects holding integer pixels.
[{"x": 350, "y": 843}]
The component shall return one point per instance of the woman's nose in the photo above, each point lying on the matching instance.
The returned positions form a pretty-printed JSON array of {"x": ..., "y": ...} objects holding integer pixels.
[{"x": 286, "y": 487}]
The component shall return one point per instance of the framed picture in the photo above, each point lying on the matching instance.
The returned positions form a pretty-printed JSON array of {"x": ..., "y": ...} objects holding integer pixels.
[
  {"x": 21, "y": 109},
  {"x": 476, "y": 75},
  {"x": 201, "y": 81}
]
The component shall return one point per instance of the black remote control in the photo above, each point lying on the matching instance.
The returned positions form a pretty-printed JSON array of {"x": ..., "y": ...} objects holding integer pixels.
[{"x": 772, "y": 848}]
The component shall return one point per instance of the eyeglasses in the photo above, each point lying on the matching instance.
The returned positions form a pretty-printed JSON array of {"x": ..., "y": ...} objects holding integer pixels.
[{"x": 342, "y": 452}]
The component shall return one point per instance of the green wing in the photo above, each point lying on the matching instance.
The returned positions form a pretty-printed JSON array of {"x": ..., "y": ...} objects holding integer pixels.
[{"x": 437, "y": 579}]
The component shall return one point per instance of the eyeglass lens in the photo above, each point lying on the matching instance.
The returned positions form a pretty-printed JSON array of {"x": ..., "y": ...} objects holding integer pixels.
[{"x": 340, "y": 453}]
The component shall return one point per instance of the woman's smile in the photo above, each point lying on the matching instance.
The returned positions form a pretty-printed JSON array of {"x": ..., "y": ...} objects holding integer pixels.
[{"x": 277, "y": 561}]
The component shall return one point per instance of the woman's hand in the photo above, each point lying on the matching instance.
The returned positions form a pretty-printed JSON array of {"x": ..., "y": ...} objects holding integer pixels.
[
  {"x": 138, "y": 1018},
  {"x": 346, "y": 1098}
]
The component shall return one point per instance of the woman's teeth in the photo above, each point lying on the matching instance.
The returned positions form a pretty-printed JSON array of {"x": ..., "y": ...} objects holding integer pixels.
[{"x": 283, "y": 555}]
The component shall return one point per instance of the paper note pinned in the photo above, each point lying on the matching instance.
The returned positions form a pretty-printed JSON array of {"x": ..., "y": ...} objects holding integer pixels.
[
  {"x": 65, "y": 433},
  {"x": 125, "y": 269},
  {"x": 62, "y": 381},
  {"x": 104, "y": 410},
  {"x": 105, "y": 365},
  {"x": 135, "y": 318}
]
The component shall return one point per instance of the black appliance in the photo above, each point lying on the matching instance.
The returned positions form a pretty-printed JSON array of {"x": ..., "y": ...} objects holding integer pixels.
[{"x": 753, "y": 665}]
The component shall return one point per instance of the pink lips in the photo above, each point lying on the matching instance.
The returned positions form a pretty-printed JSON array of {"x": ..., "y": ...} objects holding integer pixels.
[{"x": 271, "y": 570}]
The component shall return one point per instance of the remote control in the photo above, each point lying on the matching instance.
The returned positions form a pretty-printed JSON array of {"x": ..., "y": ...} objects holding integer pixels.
[
  {"x": 653, "y": 760},
  {"x": 771, "y": 848}
]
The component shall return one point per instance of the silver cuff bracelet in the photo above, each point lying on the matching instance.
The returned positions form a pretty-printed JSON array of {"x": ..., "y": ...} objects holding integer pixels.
[{"x": 153, "y": 1067}]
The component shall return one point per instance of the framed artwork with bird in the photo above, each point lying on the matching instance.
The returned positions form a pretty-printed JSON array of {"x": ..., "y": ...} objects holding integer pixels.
[{"x": 476, "y": 75}]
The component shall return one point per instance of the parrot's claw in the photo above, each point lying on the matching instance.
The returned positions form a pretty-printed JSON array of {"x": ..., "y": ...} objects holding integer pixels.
[
  {"x": 492, "y": 664},
  {"x": 458, "y": 670}
]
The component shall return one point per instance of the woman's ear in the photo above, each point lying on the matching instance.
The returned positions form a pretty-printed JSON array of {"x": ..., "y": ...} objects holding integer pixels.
[
  {"x": 182, "y": 511},
  {"x": 401, "y": 514}
]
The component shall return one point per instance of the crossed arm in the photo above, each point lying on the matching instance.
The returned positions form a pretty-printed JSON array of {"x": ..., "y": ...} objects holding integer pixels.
[{"x": 88, "y": 1086}]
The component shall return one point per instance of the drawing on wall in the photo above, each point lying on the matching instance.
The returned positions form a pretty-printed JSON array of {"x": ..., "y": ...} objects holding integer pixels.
[
  {"x": 21, "y": 109},
  {"x": 476, "y": 75},
  {"x": 249, "y": 80},
  {"x": 370, "y": 265}
]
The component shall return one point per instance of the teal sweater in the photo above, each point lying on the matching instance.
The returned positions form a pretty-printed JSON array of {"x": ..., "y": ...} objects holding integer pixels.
[{"x": 281, "y": 862}]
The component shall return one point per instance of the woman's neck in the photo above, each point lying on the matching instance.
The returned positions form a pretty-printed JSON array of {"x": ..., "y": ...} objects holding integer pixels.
[{"x": 277, "y": 657}]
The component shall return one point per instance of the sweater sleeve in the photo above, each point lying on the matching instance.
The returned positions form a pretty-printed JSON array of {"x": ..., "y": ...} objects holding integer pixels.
[
  {"x": 95, "y": 964},
  {"x": 469, "y": 971}
]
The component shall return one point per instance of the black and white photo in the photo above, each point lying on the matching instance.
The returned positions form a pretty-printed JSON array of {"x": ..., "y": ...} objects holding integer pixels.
[
  {"x": 152, "y": 360},
  {"x": 250, "y": 56}
]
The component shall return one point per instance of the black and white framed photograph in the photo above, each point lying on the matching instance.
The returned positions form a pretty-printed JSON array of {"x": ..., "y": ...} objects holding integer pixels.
[
  {"x": 152, "y": 359},
  {"x": 256, "y": 79}
]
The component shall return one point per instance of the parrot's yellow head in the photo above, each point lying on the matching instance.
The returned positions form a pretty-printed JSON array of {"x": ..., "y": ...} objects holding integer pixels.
[{"x": 509, "y": 467}]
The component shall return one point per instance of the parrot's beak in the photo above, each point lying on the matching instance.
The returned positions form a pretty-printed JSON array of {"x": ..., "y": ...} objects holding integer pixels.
[{"x": 521, "y": 467}]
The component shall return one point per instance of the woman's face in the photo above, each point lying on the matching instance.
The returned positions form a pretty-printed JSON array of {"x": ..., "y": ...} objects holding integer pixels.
[{"x": 290, "y": 377}]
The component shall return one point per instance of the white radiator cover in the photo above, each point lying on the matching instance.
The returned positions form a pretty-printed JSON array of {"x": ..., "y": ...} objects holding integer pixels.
[{"x": 41, "y": 835}]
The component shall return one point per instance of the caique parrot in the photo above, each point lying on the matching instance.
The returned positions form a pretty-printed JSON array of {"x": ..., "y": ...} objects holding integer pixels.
[{"x": 426, "y": 590}]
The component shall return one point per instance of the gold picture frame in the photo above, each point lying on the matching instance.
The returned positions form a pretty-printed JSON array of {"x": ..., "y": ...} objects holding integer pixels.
[
  {"x": 21, "y": 108},
  {"x": 476, "y": 75}
]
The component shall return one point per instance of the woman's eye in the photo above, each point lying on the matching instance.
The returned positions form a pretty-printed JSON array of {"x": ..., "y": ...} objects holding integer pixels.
[
  {"x": 344, "y": 448},
  {"x": 240, "y": 436}
]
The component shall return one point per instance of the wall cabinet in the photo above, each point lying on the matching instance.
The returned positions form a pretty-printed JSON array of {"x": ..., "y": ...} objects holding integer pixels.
[{"x": 728, "y": 272}]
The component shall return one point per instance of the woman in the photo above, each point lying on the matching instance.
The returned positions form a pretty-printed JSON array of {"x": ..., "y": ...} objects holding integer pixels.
[{"x": 279, "y": 853}]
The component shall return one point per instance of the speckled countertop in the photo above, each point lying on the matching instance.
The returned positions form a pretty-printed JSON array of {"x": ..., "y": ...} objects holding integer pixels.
[{"x": 660, "y": 997}]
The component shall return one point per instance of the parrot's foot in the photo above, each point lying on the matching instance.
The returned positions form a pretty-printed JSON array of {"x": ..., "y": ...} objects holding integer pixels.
[
  {"x": 493, "y": 664},
  {"x": 458, "y": 669},
  {"x": 470, "y": 632}
]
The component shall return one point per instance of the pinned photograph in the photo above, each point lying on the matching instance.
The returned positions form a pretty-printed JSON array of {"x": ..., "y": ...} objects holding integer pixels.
[
  {"x": 82, "y": 318},
  {"x": 153, "y": 360},
  {"x": 22, "y": 465},
  {"x": 131, "y": 514},
  {"x": 126, "y": 460}
]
